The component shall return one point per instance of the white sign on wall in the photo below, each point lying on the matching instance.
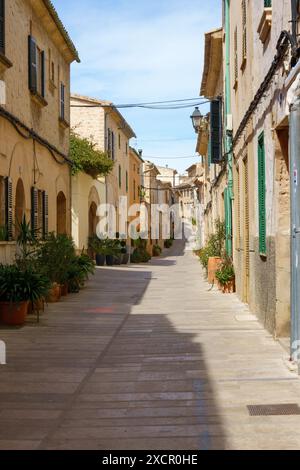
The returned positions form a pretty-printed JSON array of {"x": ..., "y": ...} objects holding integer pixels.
[
  {"x": 2, "y": 353},
  {"x": 2, "y": 93}
]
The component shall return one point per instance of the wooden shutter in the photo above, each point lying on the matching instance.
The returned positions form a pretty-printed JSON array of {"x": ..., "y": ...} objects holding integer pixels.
[
  {"x": 262, "y": 196},
  {"x": 45, "y": 214},
  {"x": 109, "y": 142},
  {"x": 120, "y": 176},
  {"x": 43, "y": 74},
  {"x": 9, "y": 208},
  {"x": 216, "y": 131},
  {"x": 244, "y": 19},
  {"x": 126, "y": 181},
  {"x": 32, "y": 64},
  {"x": 236, "y": 74},
  {"x": 2, "y": 27},
  {"x": 246, "y": 218},
  {"x": 62, "y": 101},
  {"x": 112, "y": 145},
  {"x": 34, "y": 208}
]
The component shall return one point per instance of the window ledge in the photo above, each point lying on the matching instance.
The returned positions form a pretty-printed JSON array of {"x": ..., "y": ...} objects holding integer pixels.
[
  {"x": 39, "y": 99},
  {"x": 5, "y": 63},
  {"x": 63, "y": 123},
  {"x": 265, "y": 24}
]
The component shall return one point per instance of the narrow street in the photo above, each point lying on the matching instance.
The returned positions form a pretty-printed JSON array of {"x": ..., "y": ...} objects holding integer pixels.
[{"x": 146, "y": 357}]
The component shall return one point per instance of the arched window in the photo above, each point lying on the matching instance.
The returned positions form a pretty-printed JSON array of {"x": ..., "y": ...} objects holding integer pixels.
[
  {"x": 93, "y": 219},
  {"x": 61, "y": 205},
  {"x": 19, "y": 206}
]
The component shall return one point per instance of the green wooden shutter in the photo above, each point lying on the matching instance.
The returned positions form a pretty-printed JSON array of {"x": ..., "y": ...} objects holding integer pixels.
[
  {"x": 9, "y": 208},
  {"x": 32, "y": 64},
  {"x": 262, "y": 195},
  {"x": 2, "y": 27}
]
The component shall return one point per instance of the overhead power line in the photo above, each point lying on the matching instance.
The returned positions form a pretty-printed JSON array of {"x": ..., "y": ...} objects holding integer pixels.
[{"x": 155, "y": 105}]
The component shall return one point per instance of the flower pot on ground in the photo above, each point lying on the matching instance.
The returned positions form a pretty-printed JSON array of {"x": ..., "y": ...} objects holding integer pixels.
[
  {"x": 54, "y": 294},
  {"x": 100, "y": 259},
  {"x": 156, "y": 250},
  {"x": 18, "y": 287},
  {"x": 168, "y": 243},
  {"x": 64, "y": 289},
  {"x": 125, "y": 258},
  {"x": 214, "y": 264},
  {"x": 117, "y": 260},
  {"x": 140, "y": 254},
  {"x": 226, "y": 276},
  {"x": 14, "y": 313},
  {"x": 78, "y": 272},
  {"x": 110, "y": 260}
]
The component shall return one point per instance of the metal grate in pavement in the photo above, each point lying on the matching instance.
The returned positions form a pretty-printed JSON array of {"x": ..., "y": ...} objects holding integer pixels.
[{"x": 288, "y": 409}]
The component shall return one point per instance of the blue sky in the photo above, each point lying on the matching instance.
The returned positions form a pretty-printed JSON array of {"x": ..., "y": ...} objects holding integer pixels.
[{"x": 138, "y": 51}]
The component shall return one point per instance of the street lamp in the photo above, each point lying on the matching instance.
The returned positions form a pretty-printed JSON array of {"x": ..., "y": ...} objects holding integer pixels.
[{"x": 196, "y": 118}]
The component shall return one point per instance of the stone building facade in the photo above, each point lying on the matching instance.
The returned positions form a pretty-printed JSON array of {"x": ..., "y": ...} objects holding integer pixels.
[{"x": 35, "y": 177}]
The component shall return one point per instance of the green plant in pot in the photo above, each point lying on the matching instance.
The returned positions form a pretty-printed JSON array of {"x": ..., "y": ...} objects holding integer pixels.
[
  {"x": 98, "y": 248},
  {"x": 124, "y": 252},
  {"x": 140, "y": 254},
  {"x": 156, "y": 250},
  {"x": 79, "y": 271},
  {"x": 226, "y": 275},
  {"x": 168, "y": 243},
  {"x": 54, "y": 258},
  {"x": 17, "y": 289}
]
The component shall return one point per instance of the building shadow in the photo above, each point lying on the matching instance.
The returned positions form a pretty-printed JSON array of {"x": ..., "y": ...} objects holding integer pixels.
[{"x": 114, "y": 373}]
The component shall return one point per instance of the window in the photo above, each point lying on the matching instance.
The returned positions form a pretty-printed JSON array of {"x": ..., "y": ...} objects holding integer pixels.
[
  {"x": 112, "y": 145},
  {"x": 36, "y": 67},
  {"x": 62, "y": 101},
  {"x": 39, "y": 212},
  {"x": 126, "y": 148},
  {"x": 244, "y": 20},
  {"x": 216, "y": 131},
  {"x": 126, "y": 181},
  {"x": 262, "y": 195},
  {"x": 134, "y": 190},
  {"x": 2, "y": 27},
  {"x": 120, "y": 177},
  {"x": 119, "y": 141},
  {"x": 52, "y": 71}
]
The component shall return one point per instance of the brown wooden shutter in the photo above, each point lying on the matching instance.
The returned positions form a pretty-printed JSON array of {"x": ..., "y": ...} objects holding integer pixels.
[
  {"x": 2, "y": 27},
  {"x": 43, "y": 74},
  {"x": 9, "y": 208},
  {"x": 32, "y": 64},
  {"x": 113, "y": 145},
  {"x": 34, "y": 208},
  {"x": 45, "y": 214}
]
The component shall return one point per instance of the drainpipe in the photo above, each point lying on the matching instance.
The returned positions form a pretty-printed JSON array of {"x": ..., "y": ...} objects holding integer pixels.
[
  {"x": 295, "y": 226},
  {"x": 228, "y": 137}
]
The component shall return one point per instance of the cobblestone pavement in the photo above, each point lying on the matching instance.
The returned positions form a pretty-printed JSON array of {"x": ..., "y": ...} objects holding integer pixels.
[{"x": 146, "y": 357}]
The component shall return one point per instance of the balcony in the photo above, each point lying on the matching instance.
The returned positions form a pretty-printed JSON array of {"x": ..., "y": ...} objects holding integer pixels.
[{"x": 265, "y": 24}]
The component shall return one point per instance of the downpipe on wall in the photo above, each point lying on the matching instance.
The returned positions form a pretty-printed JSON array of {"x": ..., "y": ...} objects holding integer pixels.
[{"x": 295, "y": 227}]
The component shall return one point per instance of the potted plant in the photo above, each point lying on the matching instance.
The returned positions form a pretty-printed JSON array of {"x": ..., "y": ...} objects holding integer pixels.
[
  {"x": 156, "y": 250},
  {"x": 124, "y": 252},
  {"x": 140, "y": 254},
  {"x": 78, "y": 272},
  {"x": 97, "y": 247},
  {"x": 17, "y": 289},
  {"x": 168, "y": 243},
  {"x": 226, "y": 276}
]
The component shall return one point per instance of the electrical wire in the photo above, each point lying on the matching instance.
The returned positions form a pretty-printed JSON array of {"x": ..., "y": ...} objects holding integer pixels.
[{"x": 155, "y": 105}]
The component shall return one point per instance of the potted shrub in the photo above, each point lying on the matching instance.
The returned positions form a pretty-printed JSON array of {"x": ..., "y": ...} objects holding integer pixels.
[
  {"x": 140, "y": 254},
  {"x": 156, "y": 250},
  {"x": 17, "y": 289},
  {"x": 226, "y": 276},
  {"x": 54, "y": 257},
  {"x": 124, "y": 252},
  {"x": 97, "y": 247},
  {"x": 78, "y": 272},
  {"x": 168, "y": 243}
]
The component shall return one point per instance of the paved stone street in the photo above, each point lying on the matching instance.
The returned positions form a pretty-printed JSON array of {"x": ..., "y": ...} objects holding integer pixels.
[{"x": 146, "y": 357}]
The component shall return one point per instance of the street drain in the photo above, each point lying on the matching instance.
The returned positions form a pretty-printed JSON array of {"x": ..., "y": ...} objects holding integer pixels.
[{"x": 288, "y": 409}]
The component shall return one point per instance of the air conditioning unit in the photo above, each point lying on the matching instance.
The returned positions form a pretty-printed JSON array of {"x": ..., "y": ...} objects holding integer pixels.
[{"x": 2, "y": 93}]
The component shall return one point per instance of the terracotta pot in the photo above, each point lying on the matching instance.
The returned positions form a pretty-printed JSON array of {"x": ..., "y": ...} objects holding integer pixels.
[
  {"x": 13, "y": 313},
  {"x": 214, "y": 265},
  {"x": 229, "y": 287},
  {"x": 54, "y": 294},
  {"x": 64, "y": 290},
  {"x": 39, "y": 305}
]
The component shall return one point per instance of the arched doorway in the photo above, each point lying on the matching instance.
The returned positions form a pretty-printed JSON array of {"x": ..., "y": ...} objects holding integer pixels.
[
  {"x": 61, "y": 208},
  {"x": 93, "y": 219},
  {"x": 19, "y": 206}
]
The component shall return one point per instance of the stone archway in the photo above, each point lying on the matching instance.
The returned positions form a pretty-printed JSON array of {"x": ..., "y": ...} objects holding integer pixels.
[
  {"x": 20, "y": 206},
  {"x": 61, "y": 208},
  {"x": 93, "y": 219}
]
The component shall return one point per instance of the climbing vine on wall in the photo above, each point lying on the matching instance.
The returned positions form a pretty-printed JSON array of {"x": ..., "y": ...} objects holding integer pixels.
[{"x": 87, "y": 158}]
